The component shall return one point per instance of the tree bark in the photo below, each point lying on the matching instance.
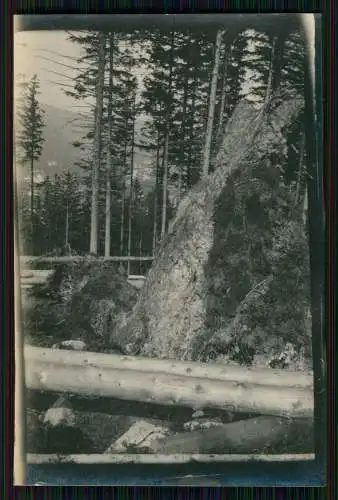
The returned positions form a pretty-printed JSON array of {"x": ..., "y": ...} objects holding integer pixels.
[
  {"x": 212, "y": 104},
  {"x": 67, "y": 224},
  {"x": 109, "y": 147},
  {"x": 256, "y": 435},
  {"x": 169, "y": 319},
  {"x": 190, "y": 178},
  {"x": 184, "y": 111},
  {"x": 180, "y": 458},
  {"x": 168, "y": 390},
  {"x": 227, "y": 58},
  {"x": 156, "y": 193},
  {"x": 131, "y": 185},
  {"x": 166, "y": 141},
  {"x": 32, "y": 206},
  {"x": 97, "y": 147},
  {"x": 277, "y": 63},
  {"x": 123, "y": 202},
  {"x": 256, "y": 376},
  {"x": 300, "y": 168}
]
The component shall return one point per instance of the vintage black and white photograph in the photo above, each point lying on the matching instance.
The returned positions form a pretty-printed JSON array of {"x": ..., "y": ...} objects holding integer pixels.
[{"x": 165, "y": 287}]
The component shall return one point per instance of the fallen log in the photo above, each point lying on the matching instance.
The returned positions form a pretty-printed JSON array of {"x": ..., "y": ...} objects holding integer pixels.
[
  {"x": 80, "y": 258},
  {"x": 35, "y": 280},
  {"x": 167, "y": 389},
  {"x": 260, "y": 376},
  {"x": 254, "y": 435},
  {"x": 181, "y": 458}
]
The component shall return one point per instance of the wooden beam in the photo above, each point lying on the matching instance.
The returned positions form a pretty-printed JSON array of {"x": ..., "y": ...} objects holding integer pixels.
[
  {"x": 181, "y": 458},
  {"x": 91, "y": 381},
  {"x": 226, "y": 373}
]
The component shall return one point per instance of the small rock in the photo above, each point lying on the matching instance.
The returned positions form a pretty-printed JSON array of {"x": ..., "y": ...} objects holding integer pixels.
[
  {"x": 194, "y": 425},
  {"x": 140, "y": 435},
  {"x": 73, "y": 345},
  {"x": 59, "y": 416},
  {"x": 198, "y": 414},
  {"x": 62, "y": 402}
]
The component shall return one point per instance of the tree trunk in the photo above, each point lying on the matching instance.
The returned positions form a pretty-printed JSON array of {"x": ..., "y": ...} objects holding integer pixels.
[
  {"x": 123, "y": 203},
  {"x": 163, "y": 388},
  {"x": 254, "y": 435},
  {"x": 169, "y": 459},
  {"x": 156, "y": 193},
  {"x": 166, "y": 141},
  {"x": 305, "y": 207},
  {"x": 277, "y": 63},
  {"x": 300, "y": 168},
  {"x": 97, "y": 147},
  {"x": 212, "y": 103},
  {"x": 184, "y": 111},
  {"x": 109, "y": 147},
  {"x": 227, "y": 58},
  {"x": 190, "y": 178},
  {"x": 32, "y": 207},
  {"x": 169, "y": 319},
  {"x": 131, "y": 185},
  {"x": 67, "y": 224},
  {"x": 209, "y": 371}
]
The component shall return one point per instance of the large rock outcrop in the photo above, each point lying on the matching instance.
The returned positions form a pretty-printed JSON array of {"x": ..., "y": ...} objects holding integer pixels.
[{"x": 168, "y": 320}]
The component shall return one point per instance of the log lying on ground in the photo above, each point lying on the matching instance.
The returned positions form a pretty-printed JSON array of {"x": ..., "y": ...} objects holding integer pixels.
[
  {"x": 181, "y": 458},
  {"x": 166, "y": 389},
  {"x": 170, "y": 315},
  {"x": 254, "y": 435},
  {"x": 263, "y": 376},
  {"x": 25, "y": 259}
]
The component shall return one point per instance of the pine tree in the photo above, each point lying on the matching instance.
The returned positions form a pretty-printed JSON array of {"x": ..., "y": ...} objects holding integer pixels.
[{"x": 29, "y": 137}]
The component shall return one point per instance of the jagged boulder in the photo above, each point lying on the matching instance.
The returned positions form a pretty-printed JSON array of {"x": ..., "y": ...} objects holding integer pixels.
[{"x": 169, "y": 319}]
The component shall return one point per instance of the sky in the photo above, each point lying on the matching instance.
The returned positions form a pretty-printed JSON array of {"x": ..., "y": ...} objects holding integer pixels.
[
  {"x": 31, "y": 49},
  {"x": 43, "y": 53}
]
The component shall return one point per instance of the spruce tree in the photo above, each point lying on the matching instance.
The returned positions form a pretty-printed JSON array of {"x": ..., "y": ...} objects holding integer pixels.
[{"x": 29, "y": 137}]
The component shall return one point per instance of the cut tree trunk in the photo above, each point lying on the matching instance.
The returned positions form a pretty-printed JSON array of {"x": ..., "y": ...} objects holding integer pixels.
[
  {"x": 256, "y": 435},
  {"x": 166, "y": 389},
  {"x": 169, "y": 319},
  {"x": 179, "y": 458},
  {"x": 226, "y": 373}
]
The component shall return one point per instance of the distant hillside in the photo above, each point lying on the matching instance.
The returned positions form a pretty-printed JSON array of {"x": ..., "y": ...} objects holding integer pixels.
[{"x": 59, "y": 155}]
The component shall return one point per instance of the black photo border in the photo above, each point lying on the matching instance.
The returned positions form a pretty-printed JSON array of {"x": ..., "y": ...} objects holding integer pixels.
[{"x": 322, "y": 224}]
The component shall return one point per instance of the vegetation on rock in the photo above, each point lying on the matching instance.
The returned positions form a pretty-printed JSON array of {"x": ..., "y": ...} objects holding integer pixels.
[{"x": 82, "y": 300}]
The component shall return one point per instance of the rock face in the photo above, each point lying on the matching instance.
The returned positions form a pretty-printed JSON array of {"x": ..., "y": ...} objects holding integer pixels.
[{"x": 168, "y": 320}]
